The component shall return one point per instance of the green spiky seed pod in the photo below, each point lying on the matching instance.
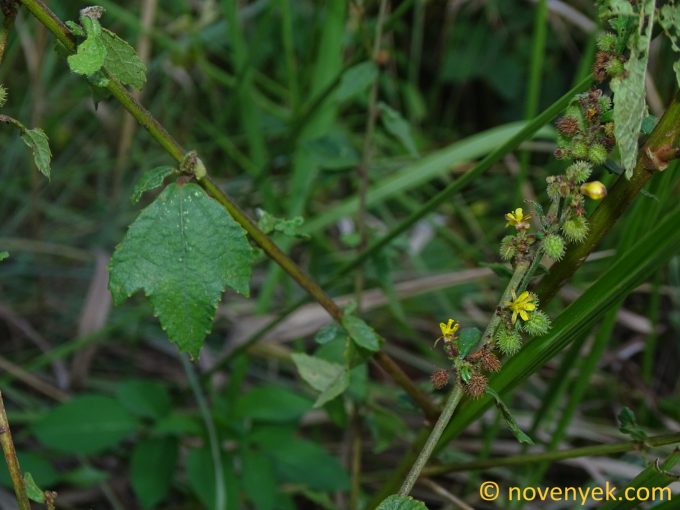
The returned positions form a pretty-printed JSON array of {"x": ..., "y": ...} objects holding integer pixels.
[
  {"x": 508, "y": 341},
  {"x": 614, "y": 67},
  {"x": 597, "y": 154},
  {"x": 3, "y": 96},
  {"x": 508, "y": 249},
  {"x": 579, "y": 150},
  {"x": 575, "y": 229},
  {"x": 554, "y": 247},
  {"x": 476, "y": 386},
  {"x": 606, "y": 42},
  {"x": 538, "y": 324},
  {"x": 605, "y": 103},
  {"x": 579, "y": 171},
  {"x": 553, "y": 189}
]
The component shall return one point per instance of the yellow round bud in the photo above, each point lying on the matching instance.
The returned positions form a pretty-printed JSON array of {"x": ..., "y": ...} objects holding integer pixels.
[{"x": 594, "y": 189}]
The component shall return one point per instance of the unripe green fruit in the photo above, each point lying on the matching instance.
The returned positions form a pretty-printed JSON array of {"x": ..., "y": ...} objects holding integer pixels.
[
  {"x": 579, "y": 171},
  {"x": 597, "y": 154},
  {"x": 508, "y": 341},
  {"x": 579, "y": 150},
  {"x": 554, "y": 246},
  {"x": 575, "y": 229},
  {"x": 606, "y": 42},
  {"x": 508, "y": 249},
  {"x": 3, "y": 96},
  {"x": 614, "y": 68},
  {"x": 538, "y": 324}
]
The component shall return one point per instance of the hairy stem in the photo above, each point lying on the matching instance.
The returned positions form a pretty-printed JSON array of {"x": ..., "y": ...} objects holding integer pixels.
[
  {"x": 11, "y": 459},
  {"x": 424, "y": 455}
]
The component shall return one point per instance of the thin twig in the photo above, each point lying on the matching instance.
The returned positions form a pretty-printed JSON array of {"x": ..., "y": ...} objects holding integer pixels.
[{"x": 11, "y": 459}]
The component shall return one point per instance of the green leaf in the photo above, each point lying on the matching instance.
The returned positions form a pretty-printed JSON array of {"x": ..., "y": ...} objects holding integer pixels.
[
  {"x": 85, "y": 425},
  {"x": 4, "y": 255},
  {"x": 122, "y": 61},
  {"x": 269, "y": 223},
  {"x": 331, "y": 379},
  {"x": 179, "y": 425},
  {"x": 398, "y": 127},
  {"x": 467, "y": 340},
  {"x": 509, "y": 418},
  {"x": 37, "y": 141},
  {"x": 33, "y": 492},
  {"x": 148, "y": 399},
  {"x": 653, "y": 478},
  {"x": 628, "y": 425},
  {"x": 91, "y": 53},
  {"x": 395, "y": 502},
  {"x": 150, "y": 180},
  {"x": 152, "y": 467},
  {"x": 272, "y": 404},
  {"x": 362, "y": 334},
  {"x": 669, "y": 19},
  {"x": 182, "y": 250},
  {"x": 630, "y": 106},
  {"x": 201, "y": 478},
  {"x": 355, "y": 80},
  {"x": 86, "y": 476},
  {"x": 259, "y": 479},
  {"x": 302, "y": 462},
  {"x": 328, "y": 333},
  {"x": 41, "y": 469}
]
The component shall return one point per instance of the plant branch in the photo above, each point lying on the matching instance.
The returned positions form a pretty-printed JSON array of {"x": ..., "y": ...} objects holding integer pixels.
[
  {"x": 551, "y": 456},
  {"x": 457, "y": 391},
  {"x": 11, "y": 459},
  {"x": 424, "y": 455},
  {"x": 161, "y": 135},
  {"x": 661, "y": 147}
]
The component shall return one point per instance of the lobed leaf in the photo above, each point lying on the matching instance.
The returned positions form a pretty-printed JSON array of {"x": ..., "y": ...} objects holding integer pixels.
[
  {"x": 91, "y": 53},
  {"x": 331, "y": 379},
  {"x": 150, "y": 180},
  {"x": 669, "y": 19},
  {"x": 122, "y": 61},
  {"x": 630, "y": 107},
  {"x": 182, "y": 250},
  {"x": 362, "y": 334}
]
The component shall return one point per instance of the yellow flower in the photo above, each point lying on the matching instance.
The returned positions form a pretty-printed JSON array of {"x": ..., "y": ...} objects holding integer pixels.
[
  {"x": 594, "y": 189},
  {"x": 518, "y": 219},
  {"x": 521, "y": 305},
  {"x": 449, "y": 329}
]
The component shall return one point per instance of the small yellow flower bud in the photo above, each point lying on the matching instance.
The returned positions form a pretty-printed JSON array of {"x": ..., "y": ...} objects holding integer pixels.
[{"x": 594, "y": 189}]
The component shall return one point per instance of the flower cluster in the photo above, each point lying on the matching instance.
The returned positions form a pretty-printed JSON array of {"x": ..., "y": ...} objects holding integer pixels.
[
  {"x": 608, "y": 60},
  {"x": 585, "y": 130},
  {"x": 472, "y": 367}
]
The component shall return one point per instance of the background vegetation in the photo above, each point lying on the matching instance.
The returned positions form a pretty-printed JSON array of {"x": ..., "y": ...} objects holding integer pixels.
[{"x": 277, "y": 97}]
